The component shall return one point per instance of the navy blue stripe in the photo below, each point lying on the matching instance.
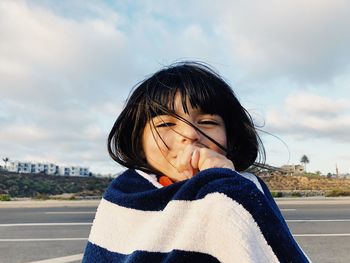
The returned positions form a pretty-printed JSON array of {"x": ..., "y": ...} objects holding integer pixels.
[
  {"x": 133, "y": 191},
  {"x": 270, "y": 199},
  {"x": 278, "y": 214},
  {"x": 98, "y": 254}
]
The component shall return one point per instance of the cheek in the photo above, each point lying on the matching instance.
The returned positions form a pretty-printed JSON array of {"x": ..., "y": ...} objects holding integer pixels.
[
  {"x": 221, "y": 138},
  {"x": 153, "y": 144},
  {"x": 163, "y": 139},
  {"x": 224, "y": 143}
]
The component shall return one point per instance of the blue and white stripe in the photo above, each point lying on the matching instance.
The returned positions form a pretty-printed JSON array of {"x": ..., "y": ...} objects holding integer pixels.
[{"x": 217, "y": 216}]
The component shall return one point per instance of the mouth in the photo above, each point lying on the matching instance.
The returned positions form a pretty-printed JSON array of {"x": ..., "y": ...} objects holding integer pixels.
[
  {"x": 197, "y": 144},
  {"x": 200, "y": 145}
]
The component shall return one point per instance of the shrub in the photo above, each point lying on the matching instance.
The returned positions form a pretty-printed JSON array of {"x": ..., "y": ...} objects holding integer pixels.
[
  {"x": 296, "y": 194},
  {"x": 41, "y": 197},
  {"x": 276, "y": 194},
  {"x": 5, "y": 197},
  {"x": 41, "y": 185},
  {"x": 338, "y": 192}
]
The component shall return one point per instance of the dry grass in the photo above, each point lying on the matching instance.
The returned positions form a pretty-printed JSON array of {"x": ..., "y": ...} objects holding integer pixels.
[
  {"x": 290, "y": 182},
  {"x": 299, "y": 185}
]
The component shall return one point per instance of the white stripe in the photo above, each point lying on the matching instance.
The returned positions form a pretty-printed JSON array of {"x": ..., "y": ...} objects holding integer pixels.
[
  {"x": 58, "y": 213},
  {"x": 40, "y": 239},
  {"x": 317, "y": 220},
  {"x": 152, "y": 178},
  {"x": 46, "y": 224},
  {"x": 322, "y": 235},
  {"x": 216, "y": 225},
  {"x": 61, "y": 259}
]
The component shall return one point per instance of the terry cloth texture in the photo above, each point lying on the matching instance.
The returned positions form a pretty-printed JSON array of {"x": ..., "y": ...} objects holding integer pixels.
[{"x": 216, "y": 216}]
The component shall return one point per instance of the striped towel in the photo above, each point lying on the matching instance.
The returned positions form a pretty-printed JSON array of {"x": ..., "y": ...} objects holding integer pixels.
[{"x": 217, "y": 216}]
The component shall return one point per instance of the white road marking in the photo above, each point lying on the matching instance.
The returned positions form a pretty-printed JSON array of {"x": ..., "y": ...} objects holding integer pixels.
[
  {"x": 322, "y": 235},
  {"x": 48, "y": 224},
  {"x": 41, "y": 239},
  {"x": 288, "y": 209},
  {"x": 84, "y": 239},
  {"x": 90, "y": 223},
  {"x": 317, "y": 220},
  {"x": 61, "y": 259},
  {"x": 83, "y": 212}
]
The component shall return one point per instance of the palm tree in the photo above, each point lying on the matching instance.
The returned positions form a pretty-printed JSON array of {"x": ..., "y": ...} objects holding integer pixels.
[
  {"x": 6, "y": 159},
  {"x": 304, "y": 159}
]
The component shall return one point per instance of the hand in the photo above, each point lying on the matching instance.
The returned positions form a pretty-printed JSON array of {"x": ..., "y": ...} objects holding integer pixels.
[{"x": 193, "y": 159}]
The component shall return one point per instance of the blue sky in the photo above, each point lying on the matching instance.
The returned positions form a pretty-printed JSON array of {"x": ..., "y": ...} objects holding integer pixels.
[{"x": 67, "y": 67}]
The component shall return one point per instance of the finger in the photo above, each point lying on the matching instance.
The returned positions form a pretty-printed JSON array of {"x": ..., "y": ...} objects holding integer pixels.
[
  {"x": 211, "y": 159},
  {"x": 203, "y": 156},
  {"x": 195, "y": 159},
  {"x": 183, "y": 161}
]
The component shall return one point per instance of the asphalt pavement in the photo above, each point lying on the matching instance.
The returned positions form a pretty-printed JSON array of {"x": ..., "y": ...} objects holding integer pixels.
[{"x": 58, "y": 232}]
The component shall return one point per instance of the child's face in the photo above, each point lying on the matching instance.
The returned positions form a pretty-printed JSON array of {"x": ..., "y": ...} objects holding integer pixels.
[{"x": 188, "y": 150}]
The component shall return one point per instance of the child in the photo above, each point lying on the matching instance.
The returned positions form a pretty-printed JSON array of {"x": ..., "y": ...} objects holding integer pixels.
[{"x": 186, "y": 196}]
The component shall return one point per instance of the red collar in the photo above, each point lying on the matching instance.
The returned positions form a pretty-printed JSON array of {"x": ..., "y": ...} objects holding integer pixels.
[{"x": 165, "y": 180}]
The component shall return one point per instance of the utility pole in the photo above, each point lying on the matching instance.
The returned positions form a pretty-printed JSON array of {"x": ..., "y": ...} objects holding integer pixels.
[{"x": 336, "y": 171}]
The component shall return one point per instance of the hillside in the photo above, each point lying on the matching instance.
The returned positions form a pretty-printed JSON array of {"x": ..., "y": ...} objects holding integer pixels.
[
  {"x": 310, "y": 184},
  {"x": 41, "y": 185}
]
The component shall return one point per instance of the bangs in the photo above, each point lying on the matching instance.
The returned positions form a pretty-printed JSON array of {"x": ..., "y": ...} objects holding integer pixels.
[{"x": 201, "y": 87}]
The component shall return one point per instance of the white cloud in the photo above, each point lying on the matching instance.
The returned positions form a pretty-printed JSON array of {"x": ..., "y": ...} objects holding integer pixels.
[
  {"x": 309, "y": 116},
  {"x": 303, "y": 40},
  {"x": 67, "y": 67},
  {"x": 311, "y": 104},
  {"x": 40, "y": 50},
  {"x": 54, "y": 72}
]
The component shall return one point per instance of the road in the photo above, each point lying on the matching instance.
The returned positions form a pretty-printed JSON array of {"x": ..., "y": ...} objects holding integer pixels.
[
  {"x": 321, "y": 227},
  {"x": 57, "y": 232}
]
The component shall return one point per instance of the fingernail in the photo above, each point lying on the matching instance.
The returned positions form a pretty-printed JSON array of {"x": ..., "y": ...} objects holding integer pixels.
[{"x": 194, "y": 152}]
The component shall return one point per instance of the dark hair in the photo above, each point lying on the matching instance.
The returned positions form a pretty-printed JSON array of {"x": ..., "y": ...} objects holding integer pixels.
[{"x": 206, "y": 90}]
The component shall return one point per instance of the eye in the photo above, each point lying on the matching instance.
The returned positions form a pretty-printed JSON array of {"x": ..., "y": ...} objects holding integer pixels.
[
  {"x": 165, "y": 124},
  {"x": 208, "y": 122}
]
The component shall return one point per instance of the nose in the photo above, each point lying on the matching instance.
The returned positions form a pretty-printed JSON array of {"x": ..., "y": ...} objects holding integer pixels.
[{"x": 188, "y": 134}]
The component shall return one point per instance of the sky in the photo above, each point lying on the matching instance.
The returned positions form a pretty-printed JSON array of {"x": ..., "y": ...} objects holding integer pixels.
[{"x": 67, "y": 67}]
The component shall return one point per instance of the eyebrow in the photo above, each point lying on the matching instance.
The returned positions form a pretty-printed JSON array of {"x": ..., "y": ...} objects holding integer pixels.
[{"x": 160, "y": 116}]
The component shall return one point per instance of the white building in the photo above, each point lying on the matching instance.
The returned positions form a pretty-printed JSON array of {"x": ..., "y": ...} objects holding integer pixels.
[
  {"x": 47, "y": 168},
  {"x": 74, "y": 171},
  {"x": 293, "y": 169}
]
